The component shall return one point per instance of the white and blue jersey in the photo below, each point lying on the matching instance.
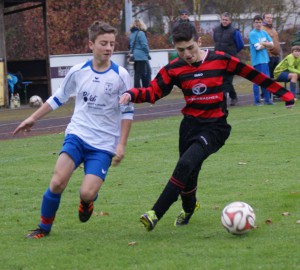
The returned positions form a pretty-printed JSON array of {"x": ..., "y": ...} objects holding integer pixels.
[{"x": 97, "y": 115}]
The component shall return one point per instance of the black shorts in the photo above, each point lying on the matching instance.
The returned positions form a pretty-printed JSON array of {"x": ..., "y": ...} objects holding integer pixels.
[{"x": 211, "y": 136}]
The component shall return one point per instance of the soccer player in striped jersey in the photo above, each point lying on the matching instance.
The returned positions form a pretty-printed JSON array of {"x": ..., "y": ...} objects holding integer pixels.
[
  {"x": 97, "y": 133},
  {"x": 204, "y": 129}
]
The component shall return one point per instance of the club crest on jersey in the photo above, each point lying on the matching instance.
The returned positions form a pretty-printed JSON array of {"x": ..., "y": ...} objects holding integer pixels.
[
  {"x": 199, "y": 89},
  {"x": 108, "y": 87}
]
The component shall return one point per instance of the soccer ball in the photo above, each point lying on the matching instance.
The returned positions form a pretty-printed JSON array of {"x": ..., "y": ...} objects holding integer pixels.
[
  {"x": 35, "y": 101},
  {"x": 238, "y": 217}
]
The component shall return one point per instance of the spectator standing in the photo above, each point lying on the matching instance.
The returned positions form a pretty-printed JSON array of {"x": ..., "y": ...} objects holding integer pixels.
[
  {"x": 288, "y": 70},
  {"x": 229, "y": 40},
  {"x": 274, "y": 53},
  {"x": 138, "y": 44},
  {"x": 183, "y": 18},
  {"x": 98, "y": 129},
  {"x": 260, "y": 41}
]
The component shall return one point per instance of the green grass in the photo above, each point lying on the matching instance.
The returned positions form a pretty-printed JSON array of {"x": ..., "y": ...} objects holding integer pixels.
[{"x": 259, "y": 164}]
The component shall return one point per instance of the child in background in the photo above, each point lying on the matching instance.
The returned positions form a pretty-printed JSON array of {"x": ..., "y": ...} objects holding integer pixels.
[{"x": 288, "y": 70}]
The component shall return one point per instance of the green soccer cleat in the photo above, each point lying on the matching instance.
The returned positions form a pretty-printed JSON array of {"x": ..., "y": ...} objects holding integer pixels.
[
  {"x": 184, "y": 218},
  {"x": 149, "y": 220}
]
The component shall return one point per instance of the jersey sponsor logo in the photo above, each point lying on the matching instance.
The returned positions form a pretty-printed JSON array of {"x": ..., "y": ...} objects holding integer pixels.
[
  {"x": 203, "y": 98},
  {"x": 199, "y": 89},
  {"x": 88, "y": 97},
  {"x": 108, "y": 87},
  {"x": 197, "y": 75}
]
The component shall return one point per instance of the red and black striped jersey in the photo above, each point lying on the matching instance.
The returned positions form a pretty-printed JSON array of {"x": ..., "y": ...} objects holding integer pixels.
[{"x": 202, "y": 85}]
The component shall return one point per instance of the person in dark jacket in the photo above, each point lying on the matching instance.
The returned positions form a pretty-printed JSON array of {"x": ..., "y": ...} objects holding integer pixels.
[
  {"x": 183, "y": 18},
  {"x": 229, "y": 40},
  {"x": 204, "y": 128}
]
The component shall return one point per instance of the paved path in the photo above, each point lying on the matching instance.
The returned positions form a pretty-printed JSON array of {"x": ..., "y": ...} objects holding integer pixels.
[{"x": 163, "y": 108}]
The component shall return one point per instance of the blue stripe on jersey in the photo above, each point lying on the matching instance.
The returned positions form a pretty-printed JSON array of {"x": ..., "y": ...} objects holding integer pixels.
[
  {"x": 128, "y": 112},
  {"x": 87, "y": 63},
  {"x": 113, "y": 66},
  {"x": 57, "y": 101}
]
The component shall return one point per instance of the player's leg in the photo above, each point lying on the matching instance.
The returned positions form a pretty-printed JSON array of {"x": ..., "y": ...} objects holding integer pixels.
[
  {"x": 186, "y": 164},
  {"x": 200, "y": 145},
  {"x": 51, "y": 199},
  {"x": 96, "y": 166},
  {"x": 88, "y": 194},
  {"x": 189, "y": 201}
]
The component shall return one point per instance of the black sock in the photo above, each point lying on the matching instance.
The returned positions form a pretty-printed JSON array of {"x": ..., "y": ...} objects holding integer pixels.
[
  {"x": 189, "y": 200},
  {"x": 166, "y": 199}
]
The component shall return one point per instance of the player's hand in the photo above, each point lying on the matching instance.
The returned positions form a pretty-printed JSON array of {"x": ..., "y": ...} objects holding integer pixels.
[
  {"x": 26, "y": 125},
  {"x": 290, "y": 104},
  {"x": 119, "y": 155},
  {"x": 125, "y": 99}
]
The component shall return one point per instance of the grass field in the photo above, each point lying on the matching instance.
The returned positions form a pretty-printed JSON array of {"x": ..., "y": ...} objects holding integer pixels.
[{"x": 259, "y": 165}]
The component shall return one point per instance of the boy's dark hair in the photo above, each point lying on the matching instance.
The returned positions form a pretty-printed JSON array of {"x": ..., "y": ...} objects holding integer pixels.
[
  {"x": 100, "y": 28},
  {"x": 257, "y": 18},
  {"x": 296, "y": 48},
  {"x": 184, "y": 32}
]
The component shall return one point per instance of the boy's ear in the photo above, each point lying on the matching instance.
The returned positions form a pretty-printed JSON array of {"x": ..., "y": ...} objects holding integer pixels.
[
  {"x": 91, "y": 44},
  {"x": 199, "y": 41}
]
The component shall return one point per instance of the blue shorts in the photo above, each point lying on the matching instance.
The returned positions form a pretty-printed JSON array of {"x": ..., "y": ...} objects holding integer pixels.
[
  {"x": 283, "y": 77},
  {"x": 95, "y": 161}
]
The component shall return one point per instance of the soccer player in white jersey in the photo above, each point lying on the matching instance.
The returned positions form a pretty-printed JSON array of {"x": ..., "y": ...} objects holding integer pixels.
[{"x": 97, "y": 133}]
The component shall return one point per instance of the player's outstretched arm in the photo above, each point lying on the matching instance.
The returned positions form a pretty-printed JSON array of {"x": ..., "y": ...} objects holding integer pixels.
[{"x": 27, "y": 124}]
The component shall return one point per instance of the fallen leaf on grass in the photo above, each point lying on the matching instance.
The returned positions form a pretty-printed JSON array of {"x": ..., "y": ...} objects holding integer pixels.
[
  {"x": 132, "y": 243},
  {"x": 216, "y": 207},
  {"x": 101, "y": 214},
  {"x": 242, "y": 163},
  {"x": 269, "y": 221},
  {"x": 286, "y": 214},
  {"x": 298, "y": 221}
]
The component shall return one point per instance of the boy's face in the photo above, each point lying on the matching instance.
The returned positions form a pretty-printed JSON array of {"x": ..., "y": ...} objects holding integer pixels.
[
  {"x": 268, "y": 19},
  {"x": 188, "y": 50},
  {"x": 257, "y": 24},
  {"x": 225, "y": 21},
  {"x": 184, "y": 16},
  {"x": 103, "y": 46},
  {"x": 296, "y": 53}
]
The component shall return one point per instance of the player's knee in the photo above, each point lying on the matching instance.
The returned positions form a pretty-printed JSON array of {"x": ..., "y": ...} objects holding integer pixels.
[
  {"x": 88, "y": 195},
  {"x": 294, "y": 77},
  {"x": 184, "y": 166},
  {"x": 57, "y": 186}
]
